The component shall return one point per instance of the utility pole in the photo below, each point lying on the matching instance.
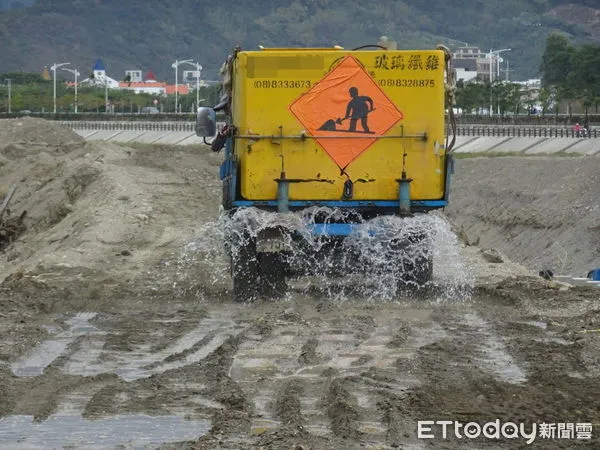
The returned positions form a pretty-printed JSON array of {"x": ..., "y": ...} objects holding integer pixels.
[
  {"x": 490, "y": 55},
  {"x": 198, "y": 69},
  {"x": 198, "y": 72},
  {"x": 53, "y": 69},
  {"x": 175, "y": 65},
  {"x": 9, "y": 82},
  {"x": 176, "y": 88},
  {"x": 76, "y": 73}
]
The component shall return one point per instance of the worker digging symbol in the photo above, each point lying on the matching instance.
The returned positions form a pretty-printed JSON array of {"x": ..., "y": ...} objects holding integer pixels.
[
  {"x": 346, "y": 111},
  {"x": 358, "y": 109}
]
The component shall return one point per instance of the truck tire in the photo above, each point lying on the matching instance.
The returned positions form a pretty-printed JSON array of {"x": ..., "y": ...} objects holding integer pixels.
[
  {"x": 272, "y": 275},
  {"x": 418, "y": 266},
  {"x": 417, "y": 274},
  {"x": 244, "y": 271}
]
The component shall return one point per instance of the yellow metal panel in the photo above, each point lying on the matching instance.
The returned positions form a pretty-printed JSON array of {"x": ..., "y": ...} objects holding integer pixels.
[{"x": 266, "y": 84}]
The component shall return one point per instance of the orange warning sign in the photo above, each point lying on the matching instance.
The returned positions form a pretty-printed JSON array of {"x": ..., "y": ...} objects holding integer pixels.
[{"x": 345, "y": 105}]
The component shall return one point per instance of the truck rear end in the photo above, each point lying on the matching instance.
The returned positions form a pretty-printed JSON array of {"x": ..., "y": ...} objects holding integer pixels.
[{"x": 324, "y": 142}]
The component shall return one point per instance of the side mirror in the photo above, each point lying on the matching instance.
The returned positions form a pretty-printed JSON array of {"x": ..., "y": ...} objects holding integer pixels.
[{"x": 206, "y": 122}]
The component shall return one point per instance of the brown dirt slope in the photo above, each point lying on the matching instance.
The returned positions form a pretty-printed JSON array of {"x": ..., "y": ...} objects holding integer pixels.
[
  {"x": 98, "y": 210},
  {"x": 542, "y": 212}
]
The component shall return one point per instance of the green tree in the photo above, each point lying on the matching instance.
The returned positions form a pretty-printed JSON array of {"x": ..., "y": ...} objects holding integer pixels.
[
  {"x": 585, "y": 76},
  {"x": 547, "y": 97},
  {"x": 472, "y": 96},
  {"x": 556, "y": 61},
  {"x": 515, "y": 97}
]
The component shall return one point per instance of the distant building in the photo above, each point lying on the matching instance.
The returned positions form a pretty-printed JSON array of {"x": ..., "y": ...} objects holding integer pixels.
[
  {"x": 470, "y": 62},
  {"x": 149, "y": 85},
  {"x": 136, "y": 82},
  {"x": 150, "y": 77},
  {"x": 466, "y": 69},
  {"x": 181, "y": 88},
  {"x": 99, "y": 77},
  {"x": 190, "y": 77},
  {"x": 46, "y": 74},
  {"x": 135, "y": 76}
]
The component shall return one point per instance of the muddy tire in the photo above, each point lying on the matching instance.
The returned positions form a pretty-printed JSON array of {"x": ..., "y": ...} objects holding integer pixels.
[
  {"x": 244, "y": 271},
  {"x": 272, "y": 275}
]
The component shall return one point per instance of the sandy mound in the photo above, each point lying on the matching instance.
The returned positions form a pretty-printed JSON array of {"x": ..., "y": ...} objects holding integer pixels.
[
  {"x": 97, "y": 211},
  {"x": 28, "y": 136}
]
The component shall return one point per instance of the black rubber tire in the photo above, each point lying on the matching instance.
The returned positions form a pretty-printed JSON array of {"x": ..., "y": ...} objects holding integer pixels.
[
  {"x": 244, "y": 272},
  {"x": 419, "y": 274},
  {"x": 272, "y": 269}
]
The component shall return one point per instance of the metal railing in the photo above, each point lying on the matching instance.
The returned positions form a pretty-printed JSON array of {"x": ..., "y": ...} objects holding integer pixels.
[
  {"x": 462, "y": 130},
  {"x": 516, "y": 131},
  {"x": 188, "y": 127}
]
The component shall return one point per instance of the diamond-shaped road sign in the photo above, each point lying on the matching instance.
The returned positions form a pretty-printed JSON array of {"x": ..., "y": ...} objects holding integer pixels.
[{"x": 346, "y": 102}]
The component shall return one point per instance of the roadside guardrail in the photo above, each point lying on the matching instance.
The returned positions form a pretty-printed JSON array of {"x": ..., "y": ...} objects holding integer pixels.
[{"x": 462, "y": 130}]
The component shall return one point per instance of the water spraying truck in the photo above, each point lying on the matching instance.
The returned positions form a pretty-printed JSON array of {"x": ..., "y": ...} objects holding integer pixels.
[{"x": 323, "y": 146}]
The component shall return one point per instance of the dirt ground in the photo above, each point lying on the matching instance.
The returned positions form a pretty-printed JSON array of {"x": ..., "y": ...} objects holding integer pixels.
[{"x": 118, "y": 329}]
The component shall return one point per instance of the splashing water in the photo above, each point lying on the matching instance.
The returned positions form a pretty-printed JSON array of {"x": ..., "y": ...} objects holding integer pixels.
[{"x": 366, "y": 264}]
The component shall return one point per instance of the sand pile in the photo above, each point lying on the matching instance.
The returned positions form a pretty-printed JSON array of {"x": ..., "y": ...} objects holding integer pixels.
[{"x": 97, "y": 211}]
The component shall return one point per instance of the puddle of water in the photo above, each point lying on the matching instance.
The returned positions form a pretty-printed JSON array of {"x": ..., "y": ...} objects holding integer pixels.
[
  {"x": 536, "y": 323},
  {"x": 372, "y": 428},
  {"x": 197, "y": 356},
  {"x": 260, "y": 426},
  {"x": 43, "y": 355},
  {"x": 135, "y": 431},
  {"x": 496, "y": 359},
  {"x": 141, "y": 362},
  {"x": 554, "y": 340},
  {"x": 278, "y": 353},
  {"x": 319, "y": 429}
]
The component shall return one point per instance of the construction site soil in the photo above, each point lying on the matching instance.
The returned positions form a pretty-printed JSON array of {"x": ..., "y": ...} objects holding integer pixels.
[{"x": 118, "y": 328}]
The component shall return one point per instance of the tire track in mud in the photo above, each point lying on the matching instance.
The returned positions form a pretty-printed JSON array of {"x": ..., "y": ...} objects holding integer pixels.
[
  {"x": 141, "y": 362},
  {"x": 329, "y": 377},
  {"x": 99, "y": 369},
  {"x": 334, "y": 376}
]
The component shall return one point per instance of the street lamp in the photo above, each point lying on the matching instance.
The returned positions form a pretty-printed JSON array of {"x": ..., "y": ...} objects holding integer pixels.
[
  {"x": 53, "y": 69},
  {"x": 9, "y": 83},
  {"x": 76, "y": 73},
  {"x": 490, "y": 55},
  {"x": 175, "y": 65},
  {"x": 198, "y": 71},
  {"x": 105, "y": 94}
]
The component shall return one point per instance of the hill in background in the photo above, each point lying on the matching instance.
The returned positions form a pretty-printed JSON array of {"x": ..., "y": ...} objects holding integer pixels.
[{"x": 152, "y": 34}]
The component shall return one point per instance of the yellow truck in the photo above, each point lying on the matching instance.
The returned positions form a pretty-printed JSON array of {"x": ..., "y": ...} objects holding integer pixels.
[{"x": 320, "y": 143}]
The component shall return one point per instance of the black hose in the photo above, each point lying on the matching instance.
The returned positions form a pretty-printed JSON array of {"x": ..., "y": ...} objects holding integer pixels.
[{"x": 369, "y": 46}]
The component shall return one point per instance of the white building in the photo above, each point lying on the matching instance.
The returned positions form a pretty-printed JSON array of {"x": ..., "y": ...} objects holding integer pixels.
[
  {"x": 135, "y": 76},
  {"x": 99, "y": 77}
]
